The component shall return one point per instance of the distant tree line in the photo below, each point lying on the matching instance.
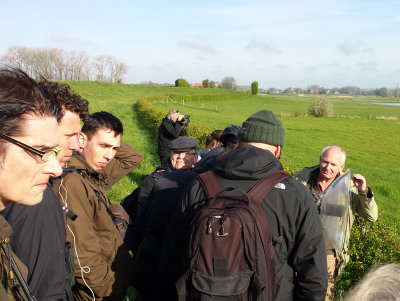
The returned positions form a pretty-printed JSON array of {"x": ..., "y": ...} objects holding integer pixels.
[
  {"x": 58, "y": 64},
  {"x": 349, "y": 90},
  {"x": 227, "y": 82}
]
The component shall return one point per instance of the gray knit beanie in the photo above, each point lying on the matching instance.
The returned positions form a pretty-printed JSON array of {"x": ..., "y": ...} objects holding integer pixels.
[{"x": 263, "y": 127}]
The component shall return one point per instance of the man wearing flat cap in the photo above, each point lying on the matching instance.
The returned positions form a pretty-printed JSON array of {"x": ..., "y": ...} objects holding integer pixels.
[
  {"x": 298, "y": 243},
  {"x": 182, "y": 157},
  {"x": 182, "y": 153}
]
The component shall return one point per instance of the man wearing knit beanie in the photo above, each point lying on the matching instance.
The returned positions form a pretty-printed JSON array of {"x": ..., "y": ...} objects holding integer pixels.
[
  {"x": 295, "y": 226},
  {"x": 264, "y": 128}
]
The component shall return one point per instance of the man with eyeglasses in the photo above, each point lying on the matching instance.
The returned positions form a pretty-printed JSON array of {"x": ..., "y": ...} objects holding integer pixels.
[{"x": 28, "y": 148}]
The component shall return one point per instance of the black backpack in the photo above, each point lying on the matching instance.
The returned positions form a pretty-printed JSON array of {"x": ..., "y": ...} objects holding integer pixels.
[{"x": 230, "y": 253}]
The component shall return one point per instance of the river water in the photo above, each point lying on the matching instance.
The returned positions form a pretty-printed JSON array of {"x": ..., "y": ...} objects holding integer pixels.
[{"x": 396, "y": 104}]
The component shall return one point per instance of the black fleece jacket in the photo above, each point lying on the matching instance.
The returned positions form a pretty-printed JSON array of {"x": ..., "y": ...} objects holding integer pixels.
[
  {"x": 168, "y": 130},
  {"x": 39, "y": 241}
]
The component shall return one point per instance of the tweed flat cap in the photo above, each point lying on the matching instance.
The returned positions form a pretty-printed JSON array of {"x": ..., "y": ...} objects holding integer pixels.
[{"x": 183, "y": 144}]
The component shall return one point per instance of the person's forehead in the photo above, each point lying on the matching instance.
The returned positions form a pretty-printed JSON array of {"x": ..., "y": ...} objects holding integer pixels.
[
  {"x": 70, "y": 123},
  {"x": 332, "y": 155},
  {"x": 106, "y": 136},
  {"x": 39, "y": 131}
]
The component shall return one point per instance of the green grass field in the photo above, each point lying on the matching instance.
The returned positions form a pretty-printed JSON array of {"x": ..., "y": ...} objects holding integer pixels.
[{"x": 372, "y": 145}]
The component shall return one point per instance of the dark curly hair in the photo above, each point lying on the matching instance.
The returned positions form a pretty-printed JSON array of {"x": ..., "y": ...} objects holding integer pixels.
[{"x": 68, "y": 100}]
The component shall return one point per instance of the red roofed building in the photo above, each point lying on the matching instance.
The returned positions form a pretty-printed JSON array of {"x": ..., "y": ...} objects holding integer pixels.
[{"x": 197, "y": 85}]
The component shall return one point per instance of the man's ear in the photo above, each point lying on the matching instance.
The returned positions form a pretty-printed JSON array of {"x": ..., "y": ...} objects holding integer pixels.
[
  {"x": 82, "y": 138},
  {"x": 277, "y": 152}
]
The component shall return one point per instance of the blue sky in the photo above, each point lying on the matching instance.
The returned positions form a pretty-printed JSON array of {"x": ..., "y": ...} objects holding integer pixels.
[{"x": 285, "y": 43}]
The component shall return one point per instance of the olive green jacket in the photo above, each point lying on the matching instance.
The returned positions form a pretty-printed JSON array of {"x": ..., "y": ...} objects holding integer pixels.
[
  {"x": 361, "y": 203},
  {"x": 13, "y": 289},
  {"x": 104, "y": 262}
]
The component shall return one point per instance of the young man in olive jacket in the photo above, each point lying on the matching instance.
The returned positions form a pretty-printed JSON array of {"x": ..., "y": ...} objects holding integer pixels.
[
  {"x": 293, "y": 219},
  {"x": 102, "y": 262}
]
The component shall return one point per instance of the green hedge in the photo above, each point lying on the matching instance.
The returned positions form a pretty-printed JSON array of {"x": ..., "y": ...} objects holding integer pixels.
[
  {"x": 152, "y": 116},
  {"x": 370, "y": 244}
]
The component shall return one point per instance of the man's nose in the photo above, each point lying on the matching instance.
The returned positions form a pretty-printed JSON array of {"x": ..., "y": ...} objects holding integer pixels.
[
  {"x": 74, "y": 144},
  {"x": 109, "y": 154},
  {"x": 53, "y": 167}
]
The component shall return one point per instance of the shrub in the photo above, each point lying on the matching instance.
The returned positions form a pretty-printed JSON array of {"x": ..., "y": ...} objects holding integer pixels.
[
  {"x": 370, "y": 244},
  {"x": 254, "y": 88},
  {"x": 180, "y": 82},
  {"x": 321, "y": 108},
  {"x": 206, "y": 83}
]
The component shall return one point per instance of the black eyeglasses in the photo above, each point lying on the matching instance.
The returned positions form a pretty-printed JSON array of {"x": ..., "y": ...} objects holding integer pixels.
[{"x": 45, "y": 155}]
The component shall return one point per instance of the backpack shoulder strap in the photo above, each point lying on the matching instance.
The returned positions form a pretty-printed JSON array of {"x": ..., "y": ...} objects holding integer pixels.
[
  {"x": 210, "y": 183},
  {"x": 264, "y": 186},
  {"x": 257, "y": 194}
]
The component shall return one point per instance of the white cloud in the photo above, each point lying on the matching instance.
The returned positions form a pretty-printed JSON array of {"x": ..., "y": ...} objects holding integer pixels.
[
  {"x": 310, "y": 69},
  {"x": 263, "y": 46},
  {"x": 367, "y": 66},
  {"x": 349, "y": 46},
  {"x": 197, "y": 42},
  {"x": 282, "y": 67}
]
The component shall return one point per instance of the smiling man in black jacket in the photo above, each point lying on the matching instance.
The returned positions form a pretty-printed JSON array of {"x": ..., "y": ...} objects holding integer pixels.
[{"x": 295, "y": 226}]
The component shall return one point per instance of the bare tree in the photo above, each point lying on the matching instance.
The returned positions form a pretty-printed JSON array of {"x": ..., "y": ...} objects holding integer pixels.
[
  {"x": 57, "y": 64},
  {"x": 58, "y": 58},
  {"x": 228, "y": 82},
  {"x": 101, "y": 64},
  {"x": 42, "y": 63},
  {"x": 117, "y": 69},
  {"x": 18, "y": 57},
  {"x": 78, "y": 62}
]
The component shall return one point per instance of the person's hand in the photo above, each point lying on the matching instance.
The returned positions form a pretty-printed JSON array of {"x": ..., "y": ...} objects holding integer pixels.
[
  {"x": 360, "y": 182},
  {"x": 175, "y": 117},
  {"x": 180, "y": 117}
]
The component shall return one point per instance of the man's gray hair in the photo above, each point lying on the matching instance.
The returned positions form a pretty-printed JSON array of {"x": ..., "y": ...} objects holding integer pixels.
[
  {"x": 326, "y": 148},
  {"x": 382, "y": 283},
  {"x": 171, "y": 113}
]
